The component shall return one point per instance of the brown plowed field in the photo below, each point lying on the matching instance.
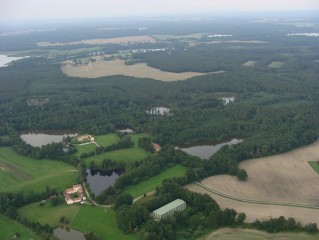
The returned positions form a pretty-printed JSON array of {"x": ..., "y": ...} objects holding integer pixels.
[{"x": 285, "y": 177}]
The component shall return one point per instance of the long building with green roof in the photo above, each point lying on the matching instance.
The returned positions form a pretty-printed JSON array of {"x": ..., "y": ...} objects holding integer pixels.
[{"x": 169, "y": 209}]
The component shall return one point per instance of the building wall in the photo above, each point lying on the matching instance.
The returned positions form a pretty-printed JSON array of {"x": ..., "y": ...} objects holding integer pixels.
[{"x": 179, "y": 208}]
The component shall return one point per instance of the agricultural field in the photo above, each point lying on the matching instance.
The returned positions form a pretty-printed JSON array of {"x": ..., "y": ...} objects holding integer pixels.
[
  {"x": 151, "y": 183},
  {"x": 100, "y": 221},
  {"x": 249, "y": 64},
  {"x": 9, "y": 228},
  {"x": 275, "y": 64},
  {"x": 121, "y": 155},
  {"x": 249, "y": 234},
  {"x": 49, "y": 214},
  {"x": 281, "y": 178},
  {"x": 120, "y": 40},
  {"x": 314, "y": 165},
  {"x": 19, "y": 173},
  {"x": 106, "y": 140},
  {"x": 118, "y": 67},
  {"x": 173, "y": 37}
]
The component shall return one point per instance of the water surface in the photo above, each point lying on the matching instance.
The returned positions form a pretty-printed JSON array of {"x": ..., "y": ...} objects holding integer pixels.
[
  {"x": 101, "y": 180},
  {"x": 206, "y": 149},
  {"x": 39, "y": 139},
  {"x": 4, "y": 60},
  {"x": 68, "y": 234}
]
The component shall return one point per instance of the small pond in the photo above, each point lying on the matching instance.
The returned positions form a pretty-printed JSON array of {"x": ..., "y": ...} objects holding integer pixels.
[
  {"x": 101, "y": 180},
  {"x": 206, "y": 149},
  {"x": 68, "y": 234},
  {"x": 39, "y": 139},
  {"x": 126, "y": 130},
  {"x": 159, "y": 111}
]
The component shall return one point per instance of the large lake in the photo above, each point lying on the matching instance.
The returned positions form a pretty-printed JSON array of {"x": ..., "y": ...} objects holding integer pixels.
[
  {"x": 206, "y": 149},
  {"x": 4, "y": 60},
  {"x": 68, "y": 234},
  {"x": 101, "y": 180},
  {"x": 39, "y": 139}
]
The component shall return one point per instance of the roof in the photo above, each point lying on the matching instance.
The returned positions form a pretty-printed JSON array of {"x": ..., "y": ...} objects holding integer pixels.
[{"x": 166, "y": 208}]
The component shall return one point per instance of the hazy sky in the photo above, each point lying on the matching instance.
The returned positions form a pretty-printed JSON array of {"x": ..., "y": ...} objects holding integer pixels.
[{"x": 57, "y": 9}]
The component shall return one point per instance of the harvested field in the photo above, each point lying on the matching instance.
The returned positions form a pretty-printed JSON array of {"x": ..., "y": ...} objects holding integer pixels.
[
  {"x": 118, "y": 67},
  {"x": 281, "y": 178},
  {"x": 170, "y": 37},
  {"x": 275, "y": 64},
  {"x": 120, "y": 40},
  {"x": 249, "y": 64}
]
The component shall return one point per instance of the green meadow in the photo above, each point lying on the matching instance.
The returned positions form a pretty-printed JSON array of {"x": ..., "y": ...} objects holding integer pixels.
[
  {"x": 151, "y": 183},
  {"x": 106, "y": 140},
  {"x": 19, "y": 173},
  {"x": 314, "y": 165},
  {"x": 121, "y": 155},
  {"x": 8, "y": 228},
  {"x": 49, "y": 214},
  {"x": 84, "y": 149},
  {"x": 100, "y": 221},
  {"x": 136, "y": 137}
]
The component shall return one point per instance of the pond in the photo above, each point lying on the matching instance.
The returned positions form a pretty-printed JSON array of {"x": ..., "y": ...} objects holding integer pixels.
[
  {"x": 4, "y": 60},
  {"x": 101, "y": 180},
  {"x": 39, "y": 139},
  {"x": 126, "y": 130},
  {"x": 206, "y": 149},
  {"x": 159, "y": 111},
  {"x": 68, "y": 234}
]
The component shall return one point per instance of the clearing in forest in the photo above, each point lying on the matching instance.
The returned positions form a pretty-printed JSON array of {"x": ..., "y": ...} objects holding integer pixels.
[
  {"x": 249, "y": 64},
  {"x": 281, "y": 178},
  {"x": 118, "y": 67},
  {"x": 119, "y": 40},
  {"x": 275, "y": 64}
]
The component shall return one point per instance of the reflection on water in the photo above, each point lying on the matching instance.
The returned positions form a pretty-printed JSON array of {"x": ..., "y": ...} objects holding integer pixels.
[
  {"x": 205, "y": 149},
  {"x": 43, "y": 138},
  {"x": 68, "y": 234},
  {"x": 101, "y": 180}
]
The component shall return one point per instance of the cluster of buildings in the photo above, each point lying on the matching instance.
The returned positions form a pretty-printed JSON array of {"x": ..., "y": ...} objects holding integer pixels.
[
  {"x": 85, "y": 137},
  {"x": 75, "y": 190}
]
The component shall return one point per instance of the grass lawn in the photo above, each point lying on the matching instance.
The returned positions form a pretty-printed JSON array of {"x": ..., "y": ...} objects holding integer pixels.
[
  {"x": 84, "y": 149},
  {"x": 151, "y": 183},
  {"x": 314, "y": 165},
  {"x": 100, "y": 221},
  {"x": 8, "y": 228},
  {"x": 122, "y": 155},
  {"x": 19, "y": 173},
  {"x": 106, "y": 140},
  {"x": 48, "y": 214},
  {"x": 136, "y": 137},
  {"x": 248, "y": 234}
]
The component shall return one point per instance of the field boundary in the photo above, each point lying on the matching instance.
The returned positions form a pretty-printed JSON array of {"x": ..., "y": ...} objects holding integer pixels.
[{"x": 265, "y": 202}]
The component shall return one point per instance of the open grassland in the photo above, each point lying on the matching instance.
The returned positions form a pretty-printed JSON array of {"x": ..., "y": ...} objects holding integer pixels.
[
  {"x": 171, "y": 37},
  {"x": 19, "y": 173},
  {"x": 84, "y": 149},
  {"x": 8, "y": 228},
  {"x": 120, "y": 40},
  {"x": 249, "y": 64},
  {"x": 314, "y": 165},
  {"x": 151, "y": 183},
  {"x": 118, "y": 67},
  {"x": 100, "y": 221},
  {"x": 275, "y": 64},
  {"x": 106, "y": 140},
  {"x": 136, "y": 137},
  {"x": 249, "y": 234},
  {"x": 281, "y": 178},
  {"x": 121, "y": 155},
  {"x": 49, "y": 214}
]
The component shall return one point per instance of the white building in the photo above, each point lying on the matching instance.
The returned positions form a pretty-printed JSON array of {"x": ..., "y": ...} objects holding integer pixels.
[{"x": 169, "y": 209}]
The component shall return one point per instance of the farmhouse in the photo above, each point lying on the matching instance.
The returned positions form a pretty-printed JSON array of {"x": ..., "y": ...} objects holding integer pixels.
[
  {"x": 156, "y": 147},
  {"x": 169, "y": 209},
  {"x": 76, "y": 189},
  {"x": 85, "y": 137}
]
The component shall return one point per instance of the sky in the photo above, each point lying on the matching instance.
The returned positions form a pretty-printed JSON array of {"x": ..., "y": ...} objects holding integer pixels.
[{"x": 14, "y": 10}]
